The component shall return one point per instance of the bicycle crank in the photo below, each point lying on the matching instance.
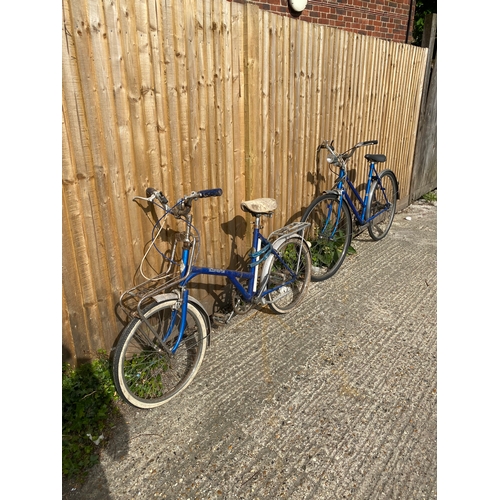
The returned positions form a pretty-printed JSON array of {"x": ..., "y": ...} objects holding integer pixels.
[{"x": 240, "y": 306}]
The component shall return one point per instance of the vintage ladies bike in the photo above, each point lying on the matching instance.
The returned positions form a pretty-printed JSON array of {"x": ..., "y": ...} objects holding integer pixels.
[
  {"x": 162, "y": 347},
  {"x": 331, "y": 215}
]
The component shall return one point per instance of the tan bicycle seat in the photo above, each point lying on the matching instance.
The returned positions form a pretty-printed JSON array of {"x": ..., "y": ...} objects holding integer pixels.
[{"x": 259, "y": 206}]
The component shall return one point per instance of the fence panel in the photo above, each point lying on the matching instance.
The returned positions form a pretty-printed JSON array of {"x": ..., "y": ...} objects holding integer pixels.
[{"x": 189, "y": 94}]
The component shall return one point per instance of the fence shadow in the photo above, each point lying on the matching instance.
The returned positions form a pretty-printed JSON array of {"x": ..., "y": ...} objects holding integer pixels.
[{"x": 115, "y": 436}]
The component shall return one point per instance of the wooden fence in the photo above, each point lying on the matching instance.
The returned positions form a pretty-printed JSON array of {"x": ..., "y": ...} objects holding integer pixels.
[{"x": 187, "y": 94}]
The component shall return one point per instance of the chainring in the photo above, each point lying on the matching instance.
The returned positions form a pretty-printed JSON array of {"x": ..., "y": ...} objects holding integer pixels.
[{"x": 240, "y": 306}]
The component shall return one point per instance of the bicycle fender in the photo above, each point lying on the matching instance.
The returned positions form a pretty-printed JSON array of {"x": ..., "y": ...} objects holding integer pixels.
[
  {"x": 162, "y": 297},
  {"x": 334, "y": 191},
  {"x": 267, "y": 263}
]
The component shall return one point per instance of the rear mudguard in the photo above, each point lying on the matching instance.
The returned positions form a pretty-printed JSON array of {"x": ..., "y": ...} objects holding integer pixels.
[
  {"x": 162, "y": 297},
  {"x": 267, "y": 263}
]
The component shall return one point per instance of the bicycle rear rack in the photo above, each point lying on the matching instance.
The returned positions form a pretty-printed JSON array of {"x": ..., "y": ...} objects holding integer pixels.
[{"x": 294, "y": 227}]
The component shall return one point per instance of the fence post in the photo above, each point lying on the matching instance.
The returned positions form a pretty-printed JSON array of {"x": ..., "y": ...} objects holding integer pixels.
[
  {"x": 421, "y": 173},
  {"x": 428, "y": 41}
]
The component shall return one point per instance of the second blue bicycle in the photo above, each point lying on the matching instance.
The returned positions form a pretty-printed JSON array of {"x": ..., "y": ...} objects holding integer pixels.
[{"x": 331, "y": 216}]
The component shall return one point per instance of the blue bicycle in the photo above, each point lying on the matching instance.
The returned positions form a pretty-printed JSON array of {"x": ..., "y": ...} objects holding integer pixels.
[
  {"x": 162, "y": 347},
  {"x": 330, "y": 216}
]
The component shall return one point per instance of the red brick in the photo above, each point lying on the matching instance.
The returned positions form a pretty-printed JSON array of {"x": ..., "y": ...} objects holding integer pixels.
[{"x": 382, "y": 18}]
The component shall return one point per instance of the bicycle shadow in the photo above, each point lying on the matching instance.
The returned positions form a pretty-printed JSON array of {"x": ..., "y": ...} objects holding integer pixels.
[{"x": 236, "y": 229}]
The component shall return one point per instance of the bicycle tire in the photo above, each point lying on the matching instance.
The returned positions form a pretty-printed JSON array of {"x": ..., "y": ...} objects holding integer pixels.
[
  {"x": 379, "y": 227},
  {"x": 146, "y": 375},
  {"x": 289, "y": 296},
  {"x": 328, "y": 250}
]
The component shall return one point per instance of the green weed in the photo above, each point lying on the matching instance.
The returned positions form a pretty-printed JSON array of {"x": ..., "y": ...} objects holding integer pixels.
[
  {"x": 431, "y": 196},
  {"x": 327, "y": 251},
  {"x": 88, "y": 395}
]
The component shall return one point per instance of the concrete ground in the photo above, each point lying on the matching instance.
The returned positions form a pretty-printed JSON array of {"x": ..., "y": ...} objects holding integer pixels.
[{"x": 334, "y": 400}]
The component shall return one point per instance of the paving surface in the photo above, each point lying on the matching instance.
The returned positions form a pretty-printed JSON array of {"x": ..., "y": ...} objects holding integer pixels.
[{"x": 334, "y": 400}]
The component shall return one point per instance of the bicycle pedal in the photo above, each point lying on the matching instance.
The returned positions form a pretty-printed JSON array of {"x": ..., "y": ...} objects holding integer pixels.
[{"x": 222, "y": 318}]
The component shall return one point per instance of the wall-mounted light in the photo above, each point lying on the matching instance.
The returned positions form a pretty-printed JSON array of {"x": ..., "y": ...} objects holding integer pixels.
[{"x": 298, "y": 5}]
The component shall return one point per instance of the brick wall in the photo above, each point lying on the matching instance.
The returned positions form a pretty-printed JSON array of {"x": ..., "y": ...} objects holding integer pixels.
[{"x": 387, "y": 19}]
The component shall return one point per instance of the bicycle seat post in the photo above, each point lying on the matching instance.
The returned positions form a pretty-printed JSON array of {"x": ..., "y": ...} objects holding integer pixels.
[
  {"x": 256, "y": 222},
  {"x": 256, "y": 244}
]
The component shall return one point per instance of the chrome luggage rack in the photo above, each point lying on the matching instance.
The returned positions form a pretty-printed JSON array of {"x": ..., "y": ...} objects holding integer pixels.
[{"x": 294, "y": 227}]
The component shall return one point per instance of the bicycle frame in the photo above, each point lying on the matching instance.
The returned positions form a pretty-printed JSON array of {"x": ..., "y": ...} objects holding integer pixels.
[
  {"x": 344, "y": 195},
  {"x": 189, "y": 272}
]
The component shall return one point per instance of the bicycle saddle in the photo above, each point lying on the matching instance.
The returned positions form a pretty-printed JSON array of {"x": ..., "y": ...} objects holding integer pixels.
[
  {"x": 259, "y": 206},
  {"x": 376, "y": 158}
]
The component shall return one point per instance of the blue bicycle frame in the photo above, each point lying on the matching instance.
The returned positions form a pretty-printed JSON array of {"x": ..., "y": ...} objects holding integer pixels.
[
  {"x": 263, "y": 249},
  {"x": 344, "y": 195}
]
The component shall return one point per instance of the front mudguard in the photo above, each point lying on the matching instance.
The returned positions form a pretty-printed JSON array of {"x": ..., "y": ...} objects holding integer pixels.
[{"x": 335, "y": 191}]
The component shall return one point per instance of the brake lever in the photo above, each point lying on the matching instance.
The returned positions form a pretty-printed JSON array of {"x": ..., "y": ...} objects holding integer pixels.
[{"x": 150, "y": 199}]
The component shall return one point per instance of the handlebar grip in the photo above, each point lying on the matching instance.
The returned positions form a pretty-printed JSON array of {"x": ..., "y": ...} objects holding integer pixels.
[
  {"x": 370, "y": 143},
  {"x": 206, "y": 193},
  {"x": 150, "y": 191}
]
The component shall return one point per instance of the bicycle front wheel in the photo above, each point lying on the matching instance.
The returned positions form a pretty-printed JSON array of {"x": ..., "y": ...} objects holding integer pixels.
[
  {"x": 382, "y": 201},
  {"x": 146, "y": 373},
  {"x": 329, "y": 234},
  {"x": 295, "y": 256}
]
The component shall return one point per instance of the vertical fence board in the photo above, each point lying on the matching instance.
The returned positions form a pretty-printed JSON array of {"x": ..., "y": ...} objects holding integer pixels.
[
  {"x": 284, "y": 111},
  {"x": 236, "y": 226},
  {"x": 277, "y": 110}
]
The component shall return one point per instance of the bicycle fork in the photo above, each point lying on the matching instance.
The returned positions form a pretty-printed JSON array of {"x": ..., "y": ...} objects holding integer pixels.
[
  {"x": 181, "y": 305},
  {"x": 183, "y": 301}
]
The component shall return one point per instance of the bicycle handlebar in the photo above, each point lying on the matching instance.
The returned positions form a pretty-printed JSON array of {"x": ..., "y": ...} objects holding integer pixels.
[
  {"x": 152, "y": 193},
  {"x": 347, "y": 154}
]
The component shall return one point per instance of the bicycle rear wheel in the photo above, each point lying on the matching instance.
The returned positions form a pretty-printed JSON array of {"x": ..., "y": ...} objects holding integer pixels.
[
  {"x": 147, "y": 374},
  {"x": 295, "y": 254},
  {"x": 329, "y": 234},
  {"x": 382, "y": 200}
]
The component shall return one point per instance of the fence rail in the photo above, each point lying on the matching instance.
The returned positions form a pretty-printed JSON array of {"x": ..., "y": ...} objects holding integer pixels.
[{"x": 187, "y": 94}]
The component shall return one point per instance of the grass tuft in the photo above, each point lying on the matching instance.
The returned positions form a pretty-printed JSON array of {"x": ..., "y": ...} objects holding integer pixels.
[{"x": 431, "y": 196}]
